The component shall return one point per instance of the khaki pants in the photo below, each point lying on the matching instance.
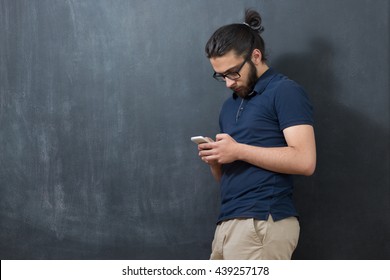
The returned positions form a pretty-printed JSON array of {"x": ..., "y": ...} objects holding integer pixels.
[{"x": 250, "y": 239}]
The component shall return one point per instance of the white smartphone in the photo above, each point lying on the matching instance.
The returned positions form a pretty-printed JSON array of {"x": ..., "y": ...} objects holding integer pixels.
[{"x": 200, "y": 139}]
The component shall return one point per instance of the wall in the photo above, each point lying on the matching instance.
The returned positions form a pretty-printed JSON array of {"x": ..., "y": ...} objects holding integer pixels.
[{"x": 98, "y": 100}]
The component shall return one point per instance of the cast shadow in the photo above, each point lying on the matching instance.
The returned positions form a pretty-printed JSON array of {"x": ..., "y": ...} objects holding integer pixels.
[{"x": 345, "y": 205}]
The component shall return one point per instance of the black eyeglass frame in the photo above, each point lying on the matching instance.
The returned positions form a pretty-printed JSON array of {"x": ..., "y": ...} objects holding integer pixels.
[{"x": 236, "y": 74}]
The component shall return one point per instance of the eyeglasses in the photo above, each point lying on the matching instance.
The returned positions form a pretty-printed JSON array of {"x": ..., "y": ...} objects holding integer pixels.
[{"x": 233, "y": 75}]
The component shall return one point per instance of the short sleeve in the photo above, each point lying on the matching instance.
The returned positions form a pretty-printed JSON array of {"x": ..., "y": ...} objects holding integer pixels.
[{"x": 292, "y": 105}]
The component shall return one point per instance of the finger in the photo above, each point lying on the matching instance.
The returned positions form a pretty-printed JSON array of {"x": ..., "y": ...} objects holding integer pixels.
[
  {"x": 205, "y": 153},
  {"x": 207, "y": 159},
  {"x": 205, "y": 146},
  {"x": 221, "y": 136}
]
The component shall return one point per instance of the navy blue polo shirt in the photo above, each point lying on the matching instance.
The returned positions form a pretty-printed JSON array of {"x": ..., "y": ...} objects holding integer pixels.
[{"x": 248, "y": 191}]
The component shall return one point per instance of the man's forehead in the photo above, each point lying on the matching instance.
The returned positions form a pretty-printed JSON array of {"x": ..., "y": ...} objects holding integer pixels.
[{"x": 222, "y": 64}]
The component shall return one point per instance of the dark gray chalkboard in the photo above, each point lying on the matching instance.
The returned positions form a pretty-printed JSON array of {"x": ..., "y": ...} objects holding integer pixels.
[{"x": 98, "y": 100}]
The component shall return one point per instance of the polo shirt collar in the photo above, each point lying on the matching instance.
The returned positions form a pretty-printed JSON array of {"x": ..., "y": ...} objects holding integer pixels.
[{"x": 261, "y": 83}]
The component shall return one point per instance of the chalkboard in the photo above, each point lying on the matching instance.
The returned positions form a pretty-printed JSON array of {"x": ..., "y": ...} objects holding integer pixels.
[{"x": 99, "y": 99}]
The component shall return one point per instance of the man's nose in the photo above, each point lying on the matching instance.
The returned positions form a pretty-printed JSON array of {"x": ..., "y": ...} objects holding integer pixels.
[{"x": 229, "y": 82}]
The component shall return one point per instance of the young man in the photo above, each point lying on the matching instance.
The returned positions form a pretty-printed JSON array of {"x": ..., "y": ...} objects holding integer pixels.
[{"x": 266, "y": 136}]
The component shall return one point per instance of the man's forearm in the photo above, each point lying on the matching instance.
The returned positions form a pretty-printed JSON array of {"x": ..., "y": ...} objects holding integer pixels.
[
  {"x": 216, "y": 171},
  {"x": 287, "y": 160}
]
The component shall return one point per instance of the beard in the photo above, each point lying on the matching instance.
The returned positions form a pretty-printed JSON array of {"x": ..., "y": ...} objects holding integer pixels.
[{"x": 244, "y": 91}]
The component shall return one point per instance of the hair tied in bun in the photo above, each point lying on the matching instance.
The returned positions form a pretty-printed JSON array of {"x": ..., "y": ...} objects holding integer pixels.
[{"x": 259, "y": 29}]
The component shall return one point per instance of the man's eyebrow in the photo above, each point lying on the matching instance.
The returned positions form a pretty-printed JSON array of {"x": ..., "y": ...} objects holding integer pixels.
[{"x": 230, "y": 69}]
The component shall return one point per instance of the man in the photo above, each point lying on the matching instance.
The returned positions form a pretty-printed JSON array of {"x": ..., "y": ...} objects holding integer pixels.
[{"x": 266, "y": 136}]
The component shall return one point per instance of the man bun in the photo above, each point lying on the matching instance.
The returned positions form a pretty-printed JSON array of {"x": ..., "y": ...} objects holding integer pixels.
[{"x": 253, "y": 20}]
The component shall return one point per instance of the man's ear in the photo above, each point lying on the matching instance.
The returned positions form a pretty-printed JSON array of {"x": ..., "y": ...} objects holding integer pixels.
[{"x": 256, "y": 56}]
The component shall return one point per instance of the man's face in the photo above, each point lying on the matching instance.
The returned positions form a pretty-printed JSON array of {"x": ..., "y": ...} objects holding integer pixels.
[{"x": 230, "y": 62}]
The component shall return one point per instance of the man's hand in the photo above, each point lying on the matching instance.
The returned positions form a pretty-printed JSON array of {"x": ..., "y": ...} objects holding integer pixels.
[{"x": 223, "y": 150}]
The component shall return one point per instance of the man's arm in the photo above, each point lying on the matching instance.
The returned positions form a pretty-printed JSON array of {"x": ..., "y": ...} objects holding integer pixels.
[
  {"x": 215, "y": 167},
  {"x": 299, "y": 157},
  {"x": 216, "y": 170}
]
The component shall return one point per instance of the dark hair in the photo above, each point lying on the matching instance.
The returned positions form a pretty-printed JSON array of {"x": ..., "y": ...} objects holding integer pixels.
[{"x": 238, "y": 37}]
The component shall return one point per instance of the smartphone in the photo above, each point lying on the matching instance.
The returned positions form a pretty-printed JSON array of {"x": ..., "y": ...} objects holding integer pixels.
[{"x": 200, "y": 139}]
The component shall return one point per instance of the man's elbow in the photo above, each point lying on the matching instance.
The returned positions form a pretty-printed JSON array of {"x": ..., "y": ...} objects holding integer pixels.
[{"x": 308, "y": 167}]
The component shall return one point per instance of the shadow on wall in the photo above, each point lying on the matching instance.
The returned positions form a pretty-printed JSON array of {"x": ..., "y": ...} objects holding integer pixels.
[{"x": 345, "y": 205}]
